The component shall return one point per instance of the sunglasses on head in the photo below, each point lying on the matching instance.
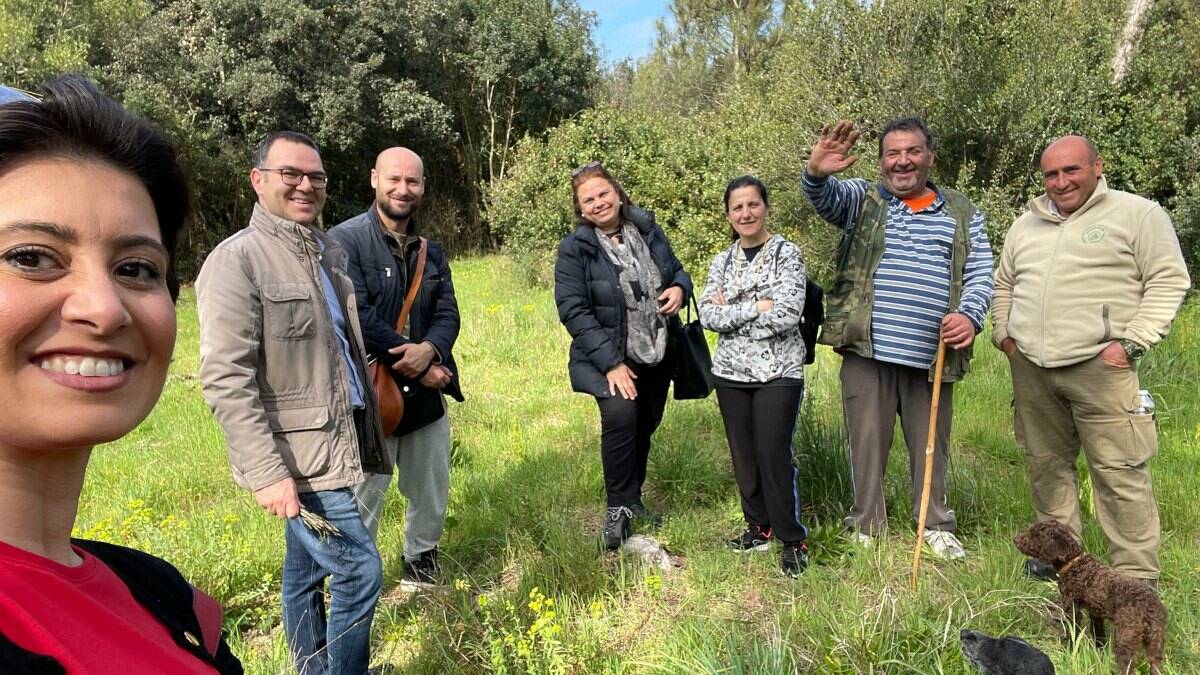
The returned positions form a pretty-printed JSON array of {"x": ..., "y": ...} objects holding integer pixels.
[
  {"x": 586, "y": 167},
  {"x": 10, "y": 94}
]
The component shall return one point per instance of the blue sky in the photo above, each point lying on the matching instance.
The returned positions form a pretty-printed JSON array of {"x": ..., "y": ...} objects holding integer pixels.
[{"x": 626, "y": 27}]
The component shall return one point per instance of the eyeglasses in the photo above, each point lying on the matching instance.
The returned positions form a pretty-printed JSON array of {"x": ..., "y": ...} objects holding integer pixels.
[
  {"x": 293, "y": 177},
  {"x": 587, "y": 167}
]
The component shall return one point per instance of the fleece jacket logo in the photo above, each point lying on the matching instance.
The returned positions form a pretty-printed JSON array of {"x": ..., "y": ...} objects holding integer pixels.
[{"x": 1094, "y": 234}]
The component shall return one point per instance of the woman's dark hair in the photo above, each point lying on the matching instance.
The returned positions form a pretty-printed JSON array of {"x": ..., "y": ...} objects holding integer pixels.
[
  {"x": 74, "y": 120},
  {"x": 746, "y": 181},
  {"x": 585, "y": 173},
  {"x": 741, "y": 182}
]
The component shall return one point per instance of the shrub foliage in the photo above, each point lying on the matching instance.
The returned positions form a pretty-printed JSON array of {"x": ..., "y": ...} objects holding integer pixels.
[{"x": 995, "y": 79}]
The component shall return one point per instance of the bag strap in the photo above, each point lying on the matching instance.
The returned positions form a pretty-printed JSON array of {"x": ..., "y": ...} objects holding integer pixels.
[
  {"x": 689, "y": 304},
  {"x": 208, "y": 615},
  {"x": 412, "y": 290}
]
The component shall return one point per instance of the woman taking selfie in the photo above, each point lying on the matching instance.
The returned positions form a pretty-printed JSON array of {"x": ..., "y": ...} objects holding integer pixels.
[
  {"x": 753, "y": 299},
  {"x": 92, "y": 199},
  {"x": 618, "y": 285}
]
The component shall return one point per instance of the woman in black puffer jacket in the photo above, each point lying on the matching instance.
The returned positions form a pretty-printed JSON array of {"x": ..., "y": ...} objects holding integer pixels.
[{"x": 618, "y": 287}]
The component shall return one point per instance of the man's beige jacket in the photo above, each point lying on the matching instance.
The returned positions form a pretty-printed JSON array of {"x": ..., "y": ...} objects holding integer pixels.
[
  {"x": 270, "y": 363},
  {"x": 1066, "y": 287}
]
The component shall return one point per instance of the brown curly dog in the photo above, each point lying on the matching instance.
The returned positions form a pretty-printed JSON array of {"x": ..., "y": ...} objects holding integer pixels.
[{"x": 1138, "y": 615}]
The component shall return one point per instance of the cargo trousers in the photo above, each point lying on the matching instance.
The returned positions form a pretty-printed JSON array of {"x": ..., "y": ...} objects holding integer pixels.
[{"x": 1093, "y": 406}]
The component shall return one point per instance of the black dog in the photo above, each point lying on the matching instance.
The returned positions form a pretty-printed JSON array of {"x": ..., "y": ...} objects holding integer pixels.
[{"x": 1004, "y": 656}]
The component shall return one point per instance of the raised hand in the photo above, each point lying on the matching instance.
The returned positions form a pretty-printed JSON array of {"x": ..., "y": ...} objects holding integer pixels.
[{"x": 831, "y": 153}]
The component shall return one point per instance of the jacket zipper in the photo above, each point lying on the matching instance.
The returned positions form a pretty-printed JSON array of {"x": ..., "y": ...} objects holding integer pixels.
[{"x": 342, "y": 401}]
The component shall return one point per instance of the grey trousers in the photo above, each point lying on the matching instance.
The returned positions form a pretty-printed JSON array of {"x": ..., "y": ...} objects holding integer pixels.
[
  {"x": 422, "y": 460},
  {"x": 873, "y": 392}
]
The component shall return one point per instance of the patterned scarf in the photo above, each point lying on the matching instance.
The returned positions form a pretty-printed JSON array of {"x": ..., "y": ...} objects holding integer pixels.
[{"x": 641, "y": 284}]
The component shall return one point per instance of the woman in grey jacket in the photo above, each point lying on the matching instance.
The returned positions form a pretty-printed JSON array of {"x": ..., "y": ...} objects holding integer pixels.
[{"x": 753, "y": 299}]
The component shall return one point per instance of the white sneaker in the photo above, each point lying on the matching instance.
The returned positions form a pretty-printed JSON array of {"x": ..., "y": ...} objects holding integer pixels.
[
  {"x": 863, "y": 540},
  {"x": 945, "y": 545}
]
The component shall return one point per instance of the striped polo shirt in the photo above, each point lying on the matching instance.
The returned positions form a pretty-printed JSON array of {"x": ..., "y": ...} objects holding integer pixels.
[{"x": 912, "y": 283}]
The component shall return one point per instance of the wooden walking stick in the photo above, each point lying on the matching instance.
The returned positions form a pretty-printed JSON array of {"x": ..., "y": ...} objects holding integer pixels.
[{"x": 929, "y": 443}]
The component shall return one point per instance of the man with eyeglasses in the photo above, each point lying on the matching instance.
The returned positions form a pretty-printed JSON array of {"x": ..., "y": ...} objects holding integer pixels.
[
  {"x": 385, "y": 256},
  {"x": 283, "y": 368}
]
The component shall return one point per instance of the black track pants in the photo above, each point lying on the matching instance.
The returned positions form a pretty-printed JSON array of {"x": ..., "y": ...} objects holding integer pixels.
[{"x": 759, "y": 424}]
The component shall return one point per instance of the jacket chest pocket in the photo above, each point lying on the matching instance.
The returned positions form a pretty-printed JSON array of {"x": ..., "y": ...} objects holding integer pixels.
[
  {"x": 375, "y": 279},
  {"x": 288, "y": 312}
]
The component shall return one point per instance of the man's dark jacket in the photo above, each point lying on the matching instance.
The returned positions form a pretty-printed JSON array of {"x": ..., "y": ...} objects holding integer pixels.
[
  {"x": 380, "y": 285},
  {"x": 591, "y": 305}
]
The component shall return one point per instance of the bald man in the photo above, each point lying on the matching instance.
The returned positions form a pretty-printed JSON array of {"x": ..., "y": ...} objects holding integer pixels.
[
  {"x": 1089, "y": 279},
  {"x": 384, "y": 253}
]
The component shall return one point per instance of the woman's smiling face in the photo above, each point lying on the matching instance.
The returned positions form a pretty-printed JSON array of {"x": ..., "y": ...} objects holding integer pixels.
[
  {"x": 599, "y": 202},
  {"x": 747, "y": 213},
  {"x": 87, "y": 325}
]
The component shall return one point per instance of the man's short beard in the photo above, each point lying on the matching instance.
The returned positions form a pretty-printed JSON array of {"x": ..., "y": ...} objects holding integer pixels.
[{"x": 392, "y": 213}]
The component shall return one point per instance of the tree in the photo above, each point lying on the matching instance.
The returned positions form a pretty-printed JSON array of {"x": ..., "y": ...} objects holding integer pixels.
[
  {"x": 708, "y": 45},
  {"x": 220, "y": 74},
  {"x": 508, "y": 68}
]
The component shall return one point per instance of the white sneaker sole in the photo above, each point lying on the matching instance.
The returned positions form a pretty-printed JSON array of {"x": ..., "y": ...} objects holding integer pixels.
[
  {"x": 761, "y": 548},
  {"x": 408, "y": 584}
]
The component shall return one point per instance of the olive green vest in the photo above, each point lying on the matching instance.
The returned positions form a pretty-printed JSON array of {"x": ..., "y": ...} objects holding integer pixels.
[{"x": 851, "y": 300}]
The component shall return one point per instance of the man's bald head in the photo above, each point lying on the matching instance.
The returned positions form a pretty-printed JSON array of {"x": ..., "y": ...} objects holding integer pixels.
[
  {"x": 399, "y": 182},
  {"x": 1074, "y": 142},
  {"x": 398, "y": 154},
  {"x": 1071, "y": 169}
]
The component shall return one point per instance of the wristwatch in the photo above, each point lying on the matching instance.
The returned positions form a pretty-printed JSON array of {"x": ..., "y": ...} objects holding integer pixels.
[{"x": 1133, "y": 351}]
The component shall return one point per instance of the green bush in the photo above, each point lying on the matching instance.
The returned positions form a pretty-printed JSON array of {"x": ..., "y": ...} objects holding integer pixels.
[
  {"x": 663, "y": 164},
  {"x": 995, "y": 79}
]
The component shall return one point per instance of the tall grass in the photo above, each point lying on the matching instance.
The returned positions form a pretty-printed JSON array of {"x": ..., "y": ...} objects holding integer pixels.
[{"x": 528, "y": 589}]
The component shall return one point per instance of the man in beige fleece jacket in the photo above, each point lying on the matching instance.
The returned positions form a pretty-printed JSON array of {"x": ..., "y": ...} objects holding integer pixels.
[{"x": 1089, "y": 279}]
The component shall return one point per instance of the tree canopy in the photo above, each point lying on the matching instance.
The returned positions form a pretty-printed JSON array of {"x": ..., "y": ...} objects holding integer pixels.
[
  {"x": 995, "y": 79},
  {"x": 459, "y": 81}
]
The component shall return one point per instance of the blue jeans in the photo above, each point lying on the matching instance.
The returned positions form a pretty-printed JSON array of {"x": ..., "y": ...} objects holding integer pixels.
[{"x": 341, "y": 643}]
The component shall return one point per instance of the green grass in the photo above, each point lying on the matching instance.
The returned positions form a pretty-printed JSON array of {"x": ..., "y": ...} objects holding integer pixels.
[{"x": 526, "y": 498}]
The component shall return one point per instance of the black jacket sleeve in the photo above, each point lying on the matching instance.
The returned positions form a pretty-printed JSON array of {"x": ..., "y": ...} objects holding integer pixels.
[
  {"x": 675, "y": 272},
  {"x": 442, "y": 330},
  {"x": 575, "y": 309}
]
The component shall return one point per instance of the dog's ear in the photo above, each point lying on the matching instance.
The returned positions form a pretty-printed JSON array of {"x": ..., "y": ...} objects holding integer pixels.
[{"x": 1066, "y": 541}]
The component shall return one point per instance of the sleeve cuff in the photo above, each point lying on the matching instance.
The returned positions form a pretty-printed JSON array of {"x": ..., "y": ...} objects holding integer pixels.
[
  {"x": 267, "y": 478},
  {"x": 437, "y": 353},
  {"x": 809, "y": 179}
]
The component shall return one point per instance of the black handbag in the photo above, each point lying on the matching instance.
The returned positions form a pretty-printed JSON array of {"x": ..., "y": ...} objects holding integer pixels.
[
  {"x": 422, "y": 406},
  {"x": 693, "y": 365},
  {"x": 811, "y": 318}
]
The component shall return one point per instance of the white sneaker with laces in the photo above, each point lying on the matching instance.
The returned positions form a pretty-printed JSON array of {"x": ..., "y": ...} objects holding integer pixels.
[
  {"x": 863, "y": 540},
  {"x": 945, "y": 545}
]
